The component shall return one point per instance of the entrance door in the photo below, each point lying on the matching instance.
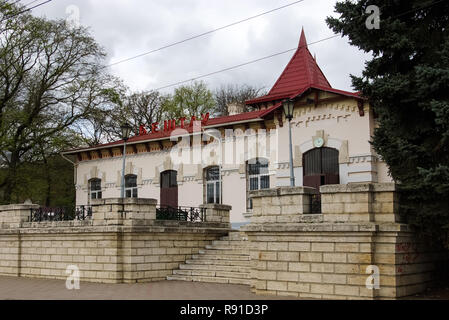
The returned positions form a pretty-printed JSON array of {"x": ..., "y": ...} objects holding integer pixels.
[
  {"x": 321, "y": 167},
  {"x": 169, "y": 189}
]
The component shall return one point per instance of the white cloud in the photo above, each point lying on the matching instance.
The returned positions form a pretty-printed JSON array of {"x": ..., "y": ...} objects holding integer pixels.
[{"x": 130, "y": 27}]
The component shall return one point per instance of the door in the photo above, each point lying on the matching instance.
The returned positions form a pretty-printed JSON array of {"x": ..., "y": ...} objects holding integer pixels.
[
  {"x": 321, "y": 167},
  {"x": 169, "y": 189}
]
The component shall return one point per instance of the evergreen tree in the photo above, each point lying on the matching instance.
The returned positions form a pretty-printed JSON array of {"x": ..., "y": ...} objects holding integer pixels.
[{"x": 407, "y": 84}]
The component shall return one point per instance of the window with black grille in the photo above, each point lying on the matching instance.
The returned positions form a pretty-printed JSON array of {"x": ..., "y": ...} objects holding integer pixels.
[
  {"x": 95, "y": 189},
  {"x": 131, "y": 186},
  {"x": 213, "y": 185},
  {"x": 257, "y": 176}
]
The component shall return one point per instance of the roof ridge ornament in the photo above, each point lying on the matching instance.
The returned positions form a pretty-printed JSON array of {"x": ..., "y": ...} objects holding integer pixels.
[{"x": 302, "y": 39}]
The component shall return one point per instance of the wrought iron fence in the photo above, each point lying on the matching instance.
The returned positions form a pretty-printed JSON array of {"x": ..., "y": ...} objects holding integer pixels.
[
  {"x": 60, "y": 214},
  {"x": 181, "y": 213},
  {"x": 315, "y": 203}
]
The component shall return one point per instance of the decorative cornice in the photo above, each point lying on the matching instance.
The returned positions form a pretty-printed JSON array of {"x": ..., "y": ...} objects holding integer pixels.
[{"x": 363, "y": 158}]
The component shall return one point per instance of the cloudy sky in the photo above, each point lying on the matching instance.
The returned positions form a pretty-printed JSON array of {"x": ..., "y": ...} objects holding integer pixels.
[{"x": 126, "y": 28}]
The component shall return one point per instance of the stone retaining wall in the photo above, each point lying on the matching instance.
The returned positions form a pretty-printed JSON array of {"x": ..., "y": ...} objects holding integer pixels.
[
  {"x": 121, "y": 243},
  {"x": 328, "y": 255}
]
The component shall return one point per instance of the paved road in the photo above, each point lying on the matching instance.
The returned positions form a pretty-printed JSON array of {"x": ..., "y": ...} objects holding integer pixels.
[{"x": 30, "y": 289}]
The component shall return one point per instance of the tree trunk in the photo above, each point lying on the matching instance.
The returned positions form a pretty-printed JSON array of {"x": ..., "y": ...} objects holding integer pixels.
[{"x": 48, "y": 181}]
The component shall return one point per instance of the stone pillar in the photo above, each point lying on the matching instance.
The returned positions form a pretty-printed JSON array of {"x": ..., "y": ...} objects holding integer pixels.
[
  {"x": 127, "y": 212},
  {"x": 281, "y": 205},
  {"x": 360, "y": 202},
  {"x": 217, "y": 213},
  {"x": 12, "y": 216}
]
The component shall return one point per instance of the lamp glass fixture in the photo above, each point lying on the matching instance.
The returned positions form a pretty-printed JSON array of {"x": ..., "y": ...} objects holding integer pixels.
[
  {"x": 126, "y": 130},
  {"x": 288, "y": 108}
]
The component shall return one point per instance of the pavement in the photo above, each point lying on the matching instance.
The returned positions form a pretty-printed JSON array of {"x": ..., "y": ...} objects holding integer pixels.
[{"x": 19, "y": 288}]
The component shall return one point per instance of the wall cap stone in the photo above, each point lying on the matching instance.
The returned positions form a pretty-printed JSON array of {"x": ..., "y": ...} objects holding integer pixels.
[
  {"x": 358, "y": 187},
  {"x": 9, "y": 207},
  {"x": 311, "y": 227},
  {"x": 282, "y": 191},
  {"x": 216, "y": 206},
  {"x": 143, "y": 201}
]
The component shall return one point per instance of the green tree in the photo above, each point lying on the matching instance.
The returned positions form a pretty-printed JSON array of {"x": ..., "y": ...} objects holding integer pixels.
[
  {"x": 407, "y": 84},
  {"x": 50, "y": 79},
  {"x": 189, "y": 100}
]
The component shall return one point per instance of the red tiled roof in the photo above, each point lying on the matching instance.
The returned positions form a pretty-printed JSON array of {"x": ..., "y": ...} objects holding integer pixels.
[
  {"x": 246, "y": 116},
  {"x": 300, "y": 73}
]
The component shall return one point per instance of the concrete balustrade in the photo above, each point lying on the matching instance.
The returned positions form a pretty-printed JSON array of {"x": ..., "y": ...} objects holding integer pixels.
[
  {"x": 282, "y": 205},
  {"x": 12, "y": 216},
  {"x": 360, "y": 202},
  {"x": 217, "y": 213},
  {"x": 128, "y": 211}
]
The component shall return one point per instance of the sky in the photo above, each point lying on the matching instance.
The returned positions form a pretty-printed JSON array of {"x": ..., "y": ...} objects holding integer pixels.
[{"x": 126, "y": 28}]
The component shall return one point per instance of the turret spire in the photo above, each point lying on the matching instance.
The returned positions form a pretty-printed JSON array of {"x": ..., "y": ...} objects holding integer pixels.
[{"x": 302, "y": 39}]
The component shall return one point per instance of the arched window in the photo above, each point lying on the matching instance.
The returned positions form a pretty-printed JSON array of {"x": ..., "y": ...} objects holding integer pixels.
[
  {"x": 131, "y": 186},
  {"x": 212, "y": 184},
  {"x": 257, "y": 176},
  {"x": 321, "y": 167},
  {"x": 95, "y": 188}
]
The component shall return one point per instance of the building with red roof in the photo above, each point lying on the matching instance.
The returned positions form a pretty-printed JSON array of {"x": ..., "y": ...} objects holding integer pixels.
[{"x": 221, "y": 159}]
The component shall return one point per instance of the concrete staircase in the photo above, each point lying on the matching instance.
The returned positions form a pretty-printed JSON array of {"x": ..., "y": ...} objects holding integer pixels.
[{"x": 224, "y": 261}]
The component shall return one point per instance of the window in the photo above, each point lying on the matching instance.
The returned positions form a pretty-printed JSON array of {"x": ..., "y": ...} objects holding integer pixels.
[
  {"x": 321, "y": 167},
  {"x": 131, "y": 186},
  {"x": 168, "y": 179},
  {"x": 257, "y": 177},
  {"x": 95, "y": 189},
  {"x": 321, "y": 161},
  {"x": 213, "y": 185}
]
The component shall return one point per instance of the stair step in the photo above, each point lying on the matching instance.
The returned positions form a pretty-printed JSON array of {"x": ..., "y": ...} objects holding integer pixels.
[
  {"x": 209, "y": 279},
  {"x": 244, "y": 263},
  {"x": 224, "y": 261},
  {"x": 212, "y": 273},
  {"x": 226, "y": 247},
  {"x": 237, "y": 235},
  {"x": 206, "y": 273},
  {"x": 220, "y": 257},
  {"x": 232, "y": 268},
  {"x": 229, "y": 243},
  {"x": 224, "y": 252}
]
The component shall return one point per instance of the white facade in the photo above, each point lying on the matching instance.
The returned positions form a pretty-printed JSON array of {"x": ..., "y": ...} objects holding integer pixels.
[{"x": 339, "y": 124}]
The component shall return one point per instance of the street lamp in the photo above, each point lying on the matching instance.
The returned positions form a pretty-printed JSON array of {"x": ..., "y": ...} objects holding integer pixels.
[
  {"x": 126, "y": 131},
  {"x": 288, "y": 106}
]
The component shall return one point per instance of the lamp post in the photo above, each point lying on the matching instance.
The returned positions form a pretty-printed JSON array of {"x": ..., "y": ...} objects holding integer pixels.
[
  {"x": 126, "y": 131},
  {"x": 288, "y": 105}
]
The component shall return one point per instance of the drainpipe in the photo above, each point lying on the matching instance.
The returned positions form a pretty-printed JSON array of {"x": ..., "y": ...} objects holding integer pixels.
[{"x": 75, "y": 167}]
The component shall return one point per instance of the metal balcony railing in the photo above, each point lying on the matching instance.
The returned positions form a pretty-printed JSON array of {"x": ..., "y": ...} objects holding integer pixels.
[
  {"x": 60, "y": 214},
  {"x": 181, "y": 213}
]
